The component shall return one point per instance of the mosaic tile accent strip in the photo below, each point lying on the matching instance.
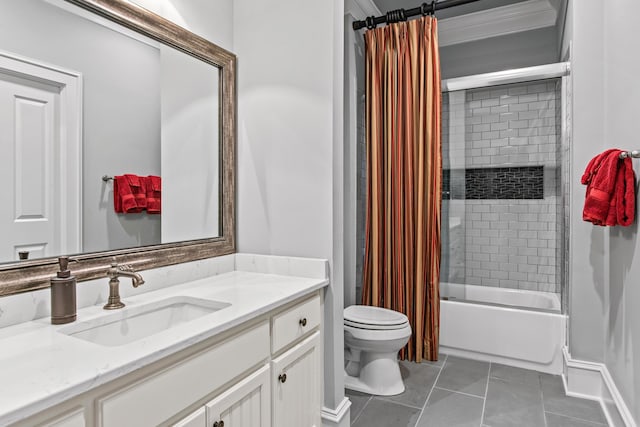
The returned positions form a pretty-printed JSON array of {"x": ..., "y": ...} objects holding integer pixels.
[{"x": 493, "y": 183}]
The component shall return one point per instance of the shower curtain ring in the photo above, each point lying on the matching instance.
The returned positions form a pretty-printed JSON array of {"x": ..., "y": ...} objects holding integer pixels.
[
  {"x": 433, "y": 8},
  {"x": 370, "y": 22},
  {"x": 423, "y": 9}
]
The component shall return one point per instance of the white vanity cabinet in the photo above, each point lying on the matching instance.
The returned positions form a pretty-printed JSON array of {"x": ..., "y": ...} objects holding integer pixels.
[
  {"x": 158, "y": 397},
  {"x": 264, "y": 372},
  {"x": 286, "y": 393}
]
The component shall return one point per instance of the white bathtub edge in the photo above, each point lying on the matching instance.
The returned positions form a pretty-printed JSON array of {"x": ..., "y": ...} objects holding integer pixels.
[
  {"x": 494, "y": 334},
  {"x": 551, "y": 368},
  {"x": 591, "y": 380}
]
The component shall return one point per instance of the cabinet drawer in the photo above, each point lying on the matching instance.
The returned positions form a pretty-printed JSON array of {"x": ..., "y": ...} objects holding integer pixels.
[
  {"x": 156, "y": 399},
  {"x": 295, "y": 322}
]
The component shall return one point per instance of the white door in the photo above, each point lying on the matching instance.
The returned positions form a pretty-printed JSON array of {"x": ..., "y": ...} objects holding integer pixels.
[
  {"x": 296, "y": 378},
  {"x": 40, "y": 161},
  {"x": 28, "y": 131},
  {"x": 246, "y": 404}
]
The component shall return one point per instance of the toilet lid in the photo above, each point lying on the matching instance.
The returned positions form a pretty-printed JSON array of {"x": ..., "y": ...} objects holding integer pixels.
[{"x": 367, "y": 317}]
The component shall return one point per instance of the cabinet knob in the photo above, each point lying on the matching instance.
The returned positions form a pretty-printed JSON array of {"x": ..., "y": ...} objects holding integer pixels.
[
  {"x": 303, "y": 321},
  {"x": 218, "y": 424},
  {"x": 282, "y": 378}
]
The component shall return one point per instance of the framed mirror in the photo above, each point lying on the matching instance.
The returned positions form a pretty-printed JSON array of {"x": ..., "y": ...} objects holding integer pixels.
[{"x": 94, "y": 94}]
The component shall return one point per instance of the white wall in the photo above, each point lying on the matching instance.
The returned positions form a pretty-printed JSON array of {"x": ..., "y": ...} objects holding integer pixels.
[
  {"x": 604, "y": 319},
  {"x": 622, "y": 94},
  {"x": 189, "y": 147},
  {"x": 212, "y": 20},
  {"x": 588, "y": 267},
  {"x": 289, "y": 65}
]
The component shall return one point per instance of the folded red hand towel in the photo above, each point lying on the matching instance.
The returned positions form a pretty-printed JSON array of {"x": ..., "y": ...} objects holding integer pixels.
[
  {"x": 139, "y": 190},
  {"x": 124, "y": 200},
  {"x": 154, "y": 192}
]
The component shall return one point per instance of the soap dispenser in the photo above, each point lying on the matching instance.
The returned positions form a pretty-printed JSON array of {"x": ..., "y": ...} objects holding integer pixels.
[{"x": 63, "y": 294}]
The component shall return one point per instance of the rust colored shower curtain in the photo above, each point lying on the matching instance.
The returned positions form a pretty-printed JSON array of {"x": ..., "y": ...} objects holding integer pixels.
[{"x": 404, "y": 169}]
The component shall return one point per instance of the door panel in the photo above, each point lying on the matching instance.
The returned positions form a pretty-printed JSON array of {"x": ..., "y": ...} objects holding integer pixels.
[
  {"x": 28, "y": 139},
  {"x": 296, "y": 397},
  {"x": 246, "y": 404}
]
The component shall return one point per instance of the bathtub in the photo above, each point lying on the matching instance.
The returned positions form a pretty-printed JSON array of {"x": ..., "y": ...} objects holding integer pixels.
[{"x": 514, "y": 327}]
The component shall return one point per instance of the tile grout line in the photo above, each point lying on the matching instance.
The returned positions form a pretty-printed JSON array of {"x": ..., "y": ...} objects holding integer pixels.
[
  {"x": 460, "y": 392},
  {"x": 444, "y": 362},
  {"x": 362, "y": 410},
  {"x": 486, "y": 391},
  {"x": 544, "y": 412},
  {"x": 386, "y": 399}
]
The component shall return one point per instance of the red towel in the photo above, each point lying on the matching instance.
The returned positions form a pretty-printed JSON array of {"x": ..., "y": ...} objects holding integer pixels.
[
  {"x": 153, "y": 184},
  {"x": 129, "y": 195},
  {"x": 139, "y": 190},
  {"x": 123, "y": 198},
  {"x": 610, "y": 198},
  {"x": 626, "y": 193}
]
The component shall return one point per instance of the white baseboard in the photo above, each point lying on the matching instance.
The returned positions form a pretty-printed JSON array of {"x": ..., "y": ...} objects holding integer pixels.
[
  {"x": 590, "y": 380},
  {"x": 338, "y": 417}
]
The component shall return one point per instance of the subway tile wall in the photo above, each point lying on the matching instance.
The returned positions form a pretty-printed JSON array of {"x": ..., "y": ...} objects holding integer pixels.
[{"x": 505, "y": 243}]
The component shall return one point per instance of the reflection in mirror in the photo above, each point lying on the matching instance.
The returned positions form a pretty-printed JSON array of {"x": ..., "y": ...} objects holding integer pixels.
[{"x": 82, "y": 97}]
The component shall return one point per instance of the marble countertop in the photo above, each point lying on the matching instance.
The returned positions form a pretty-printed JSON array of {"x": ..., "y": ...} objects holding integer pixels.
[{"x": 41, "y": 367}]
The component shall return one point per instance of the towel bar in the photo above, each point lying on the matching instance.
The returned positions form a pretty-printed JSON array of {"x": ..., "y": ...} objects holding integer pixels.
[{"x": 634, "y": 154}]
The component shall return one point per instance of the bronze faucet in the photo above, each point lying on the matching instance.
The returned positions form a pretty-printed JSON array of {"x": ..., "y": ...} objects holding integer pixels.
[{"x": 114, "y": 284}]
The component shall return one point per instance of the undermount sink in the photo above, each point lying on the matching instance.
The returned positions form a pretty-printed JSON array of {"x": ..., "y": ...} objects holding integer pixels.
[{"x": 135, "y": 323}]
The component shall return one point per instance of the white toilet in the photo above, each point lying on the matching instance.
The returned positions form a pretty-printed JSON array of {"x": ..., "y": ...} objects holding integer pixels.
[{"x": 373, "y": 337}]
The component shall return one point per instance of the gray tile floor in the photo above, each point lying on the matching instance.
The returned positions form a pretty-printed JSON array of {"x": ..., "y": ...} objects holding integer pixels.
[{"x": 456, "y": 392}]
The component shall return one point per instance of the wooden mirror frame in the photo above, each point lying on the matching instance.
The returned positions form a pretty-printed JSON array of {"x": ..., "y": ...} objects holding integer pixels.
[{"x": 31, "y": 275}]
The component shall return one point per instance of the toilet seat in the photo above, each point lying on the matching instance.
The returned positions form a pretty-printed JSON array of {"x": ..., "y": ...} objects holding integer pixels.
[
  {"x": 374, "y": 318},
  {"x": 371, "y": 327}
]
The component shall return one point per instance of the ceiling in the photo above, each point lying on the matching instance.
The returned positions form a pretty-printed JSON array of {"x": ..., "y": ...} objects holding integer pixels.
[
  {"x": 482, "y": 19},
  {"x": 480, "y": 5}
]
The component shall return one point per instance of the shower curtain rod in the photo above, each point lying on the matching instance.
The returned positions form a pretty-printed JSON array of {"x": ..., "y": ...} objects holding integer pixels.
[{"x": 402, "y": 14}]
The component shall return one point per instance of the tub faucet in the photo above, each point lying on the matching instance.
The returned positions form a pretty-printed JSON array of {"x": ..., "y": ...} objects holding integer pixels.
[{"x": 114, "y": 272}]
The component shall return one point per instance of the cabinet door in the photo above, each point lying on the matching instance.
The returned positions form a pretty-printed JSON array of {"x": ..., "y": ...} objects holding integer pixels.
[
  {"x": 246, "y": 404},
  {"x": 195, "y": 419},
  {"x": 296, "y": 379}
]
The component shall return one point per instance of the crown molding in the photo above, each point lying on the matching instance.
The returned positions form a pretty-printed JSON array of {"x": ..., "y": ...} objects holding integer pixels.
[
  {"x": 499, "y": 21},
  {"x": 360, "y": 9}
]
